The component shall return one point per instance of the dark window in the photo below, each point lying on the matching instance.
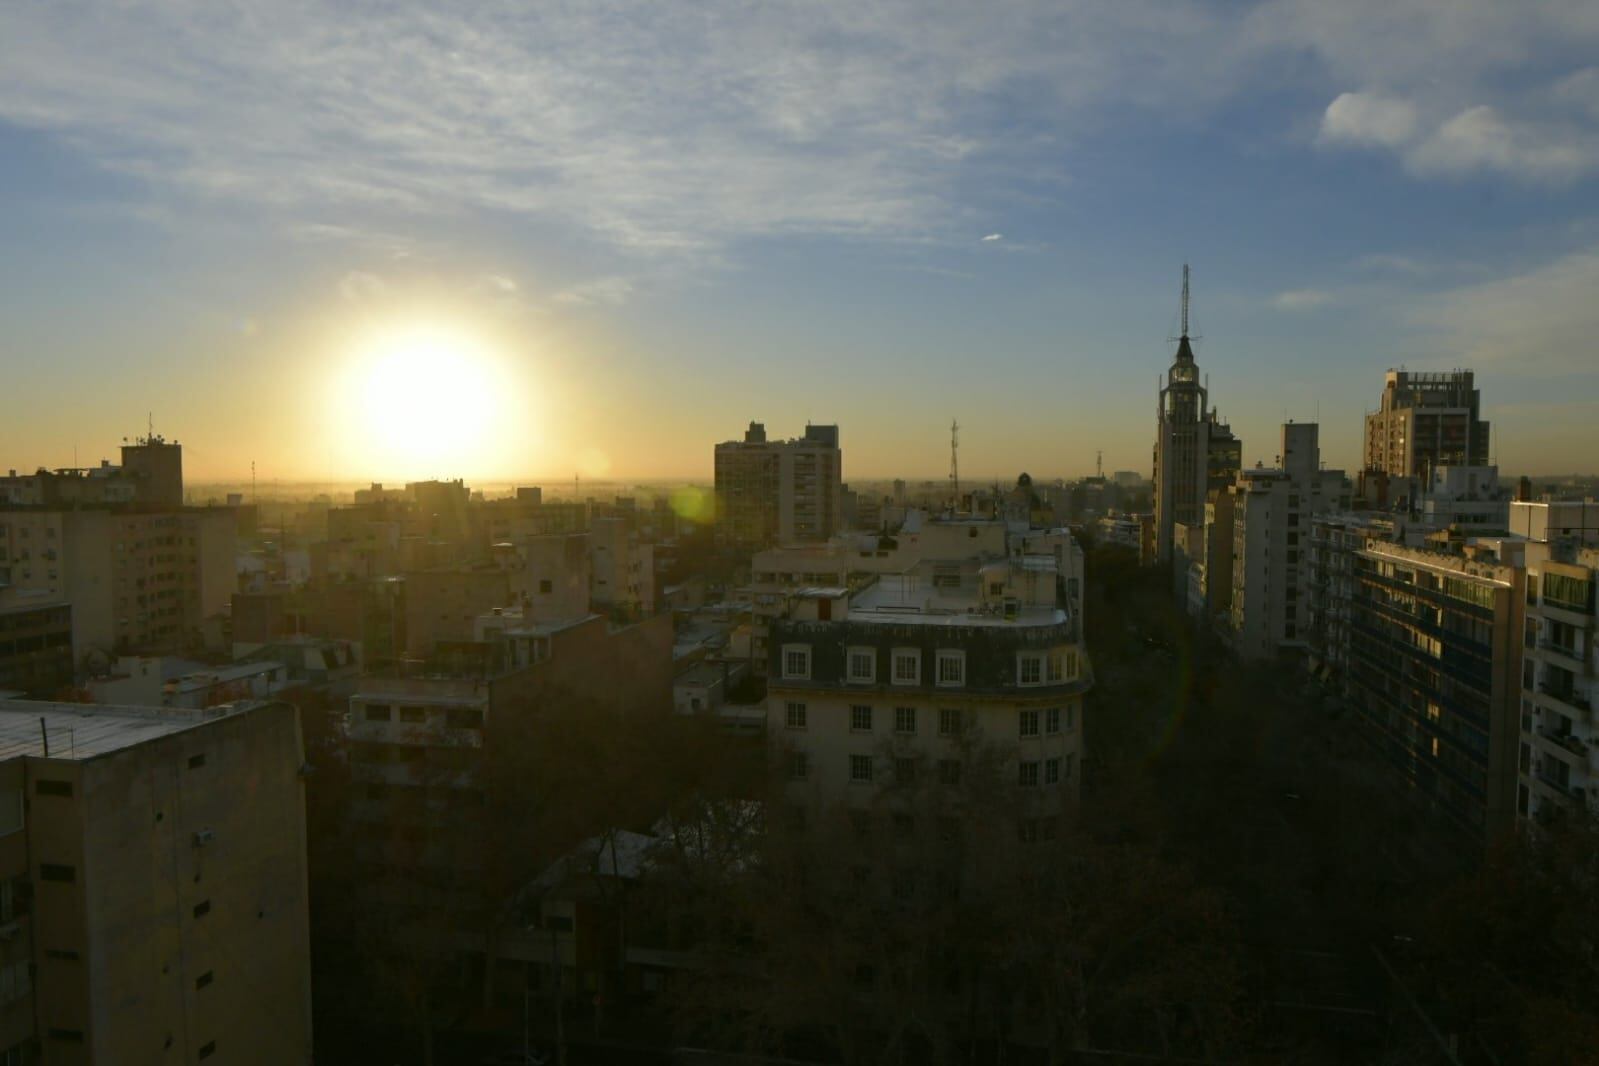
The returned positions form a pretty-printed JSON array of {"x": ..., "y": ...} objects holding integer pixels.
[
  {"x": 203, "y": 980},
  {"x": 208, "y": 1049},
  {"x": 50, "y": 871},
  {"x": 377, "y": 712},
  {"x": 61, "y": 954},
  {"x": 465, "y": 717},
  {"x": 544, "y": 587},
  {"x": 67, "y": 1036},
  {"x": 202, "y": 908},
  {"x": 196, "y": 761},
  {"x": 53, "y": 788}
]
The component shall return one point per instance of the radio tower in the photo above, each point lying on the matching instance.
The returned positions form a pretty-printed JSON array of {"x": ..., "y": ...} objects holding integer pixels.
[
  {"x": 954, "y": 463},
  {"x": 1099, "y": 464}
]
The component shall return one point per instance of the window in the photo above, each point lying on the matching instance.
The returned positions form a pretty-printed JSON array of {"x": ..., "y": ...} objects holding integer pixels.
[
  {"x": 465, "y": 717},
  {"x": 196, "y": 761},
  {"x": 413, "y": 714},
  {"x": 377, "y": 712},
  {"x": 1071, "y": 757},
  {"x": 61, "y": 955},
  {"x": 202, "y": 908},
  {"x": 860, "y": 718},
  {"x": 907, "y": 666},
  {"x": 16, "y": 898},
  {"x": 1030, "y": 669},
  {"x": 1071, "y": 715},
  {"x": 203, "y": 980},
  {"x": 52, "y": 788},
  {"x": 1027, "y": 830},
  {"x": 797, "y": 661},
  {"x": 1052, "y": 721},
  {"x": 860, "y": 768},
  {"x": 50, "y": 871},
  {"x": 1051, "y": 771},
  {"x": 949, "y": 771},
  {"x": 799, "y": 766},
  {"x": 949, "y": 721},
  {"x": 905, "y": 771},
  {"x": 545, "y": 587},
  {"x": 1027, "y": 774},
  {"x": 67, "y": 1036},
  {"x": 862, "y": 665},
  {"x": 1028, "y": 723},
  {"x": 905, "y": 719},
  {"x": 1054, "y": 668},
  {"x": 796, "y": 716},
  {"x": 952, "y": 668},
  {"x": 904, "y": 825}
]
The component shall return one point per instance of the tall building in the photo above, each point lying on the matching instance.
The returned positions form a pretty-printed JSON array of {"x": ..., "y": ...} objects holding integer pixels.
[
  {"x": 1195, "y": 452},
  {"x": 155, "y": 466},
  {"x": 153, "y": 902},
  {"x": 1426, "y": 420},
  {"x": 1559, "y": 759},
  {"x": 779, "y": 492},
  {"x": 1272, "y": 510},
  {"x": 1435, "y": 673}
]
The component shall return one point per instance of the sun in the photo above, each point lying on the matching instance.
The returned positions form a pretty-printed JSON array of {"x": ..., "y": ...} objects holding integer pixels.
[{"x": 423, "y": 400}]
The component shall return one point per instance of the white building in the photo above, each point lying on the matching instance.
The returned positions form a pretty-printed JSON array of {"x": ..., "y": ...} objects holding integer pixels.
[{"x": 1559, "y": 764}]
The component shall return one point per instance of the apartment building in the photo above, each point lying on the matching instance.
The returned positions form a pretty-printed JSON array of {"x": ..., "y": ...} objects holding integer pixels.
[
  {"x": 137, "y": 580},
  {"x": 1426, "y": 420},
  {"x": 772, "y": 492},
  {"x": 35, "y": 645},
  {"x": 153, "y": 902},
  {"x": 902, "y": 683},
  {"x": 621, "y": 568},
  {"x": 1272, "y": 510},
  {"x": 1559, "y": 758},
  {"x": 1435, "y": 654},
  {"x": 151, "y": 474}
]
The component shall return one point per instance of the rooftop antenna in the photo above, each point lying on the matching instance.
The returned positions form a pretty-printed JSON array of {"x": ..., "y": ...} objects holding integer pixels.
[
  {"x": 253, "y": 498},
  {"x": 954, "y": 461},
  {"x": 1099, "y": 464},
  {"x": 1185, "y": 300}
]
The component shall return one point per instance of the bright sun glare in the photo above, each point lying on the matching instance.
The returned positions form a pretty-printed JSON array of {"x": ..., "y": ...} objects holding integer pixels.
[{"x": 431, "y": 399}]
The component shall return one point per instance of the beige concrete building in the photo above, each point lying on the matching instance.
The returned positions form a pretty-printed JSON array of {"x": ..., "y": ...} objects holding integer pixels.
[
  {"x": 137, "y": 580},
  {"x": 1559, "y": 759},
  {"x": 153, "y": 902},
  {"x": 772, "y": 492},
  {"x": 621, "y": 568},
  {"x": 1426, "y": 420}
]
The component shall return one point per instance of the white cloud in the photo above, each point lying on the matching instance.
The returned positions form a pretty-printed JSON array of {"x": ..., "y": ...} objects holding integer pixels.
[
  {"x": 1542, "y": 321},
  {"x": 1301, "y": 299},
  {"x": 994, "y": 237},
  {"x": 1368, "y": 119}
]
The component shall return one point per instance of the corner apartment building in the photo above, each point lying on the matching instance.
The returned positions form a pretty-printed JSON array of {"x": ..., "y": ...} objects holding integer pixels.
[
  {"x": 1272, "y": 510},
  {"x": 137, "y": 579},
  {"x": 772, "y": 492},
  {"x": 899, "y": 683},
  {"x": 1426, "y": 420},
  {"x": 1435, "y": 656},
  {"x": 153, "y": 902},
  {"x": 1559, "y": 758}
]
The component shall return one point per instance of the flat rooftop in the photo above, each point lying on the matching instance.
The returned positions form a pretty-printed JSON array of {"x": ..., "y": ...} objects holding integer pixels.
[
  {"x": 926, "y": 606},
  {"x": 86, "y": 730}
]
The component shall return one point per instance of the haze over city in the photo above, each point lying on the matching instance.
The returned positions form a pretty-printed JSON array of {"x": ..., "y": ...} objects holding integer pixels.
[{"x": 485, "y": 241}]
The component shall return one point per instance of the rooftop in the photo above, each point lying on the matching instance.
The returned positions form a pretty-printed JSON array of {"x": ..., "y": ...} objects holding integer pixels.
[{"x": 88, "y": 730}]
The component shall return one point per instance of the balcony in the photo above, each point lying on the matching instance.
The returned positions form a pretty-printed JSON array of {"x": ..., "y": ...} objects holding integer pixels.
[
  {"x": 1575, "y": 656},
  {"x": 1568, "y": 741},
  {"x": 1567, "y": 696}
]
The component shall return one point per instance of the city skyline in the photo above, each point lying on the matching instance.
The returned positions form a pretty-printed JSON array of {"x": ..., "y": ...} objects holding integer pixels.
[{"x": 623, "y": 235}]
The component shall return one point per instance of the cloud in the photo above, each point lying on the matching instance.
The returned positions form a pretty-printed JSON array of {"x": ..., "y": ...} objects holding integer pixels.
[
  {"x": 1480, "y": 139},
  {"x": 1301, "y": 299},
  {"x": 605, "y": 292},
  {"x": 1368, "y": 119},
  {"x": 994, "y": 237},
  {"x": 1538, "y": 322},
  {"x": 360, "y": 287}
]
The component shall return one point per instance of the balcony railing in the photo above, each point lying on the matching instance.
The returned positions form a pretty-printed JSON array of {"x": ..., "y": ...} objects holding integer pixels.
[
  {"x": 1571, "y": 743},
  {"x": 1569, "y": 697}
]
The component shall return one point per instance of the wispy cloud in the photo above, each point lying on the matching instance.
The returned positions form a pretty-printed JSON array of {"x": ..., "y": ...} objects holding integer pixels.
[
  {"x": 994, "y": 237},
  {"x": 1301, "y": 299}
]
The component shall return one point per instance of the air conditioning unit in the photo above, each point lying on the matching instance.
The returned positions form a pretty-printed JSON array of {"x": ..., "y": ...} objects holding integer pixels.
[{"x": 203, "y": 838}]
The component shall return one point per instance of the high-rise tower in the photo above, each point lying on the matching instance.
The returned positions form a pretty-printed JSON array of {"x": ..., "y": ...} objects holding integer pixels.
[{"x": 1194, "y": 450}]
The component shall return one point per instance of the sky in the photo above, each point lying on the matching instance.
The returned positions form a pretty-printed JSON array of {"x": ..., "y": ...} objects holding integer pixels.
[{"x": 510, "y": 241}]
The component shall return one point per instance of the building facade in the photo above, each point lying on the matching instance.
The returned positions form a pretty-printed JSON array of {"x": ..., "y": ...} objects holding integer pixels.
[
  {"x": 153, "y": 885},
  {"x": 1425, "y": 420},
  {"x": 1559, "y": 758},
  {"x": 772, "y": 492}
]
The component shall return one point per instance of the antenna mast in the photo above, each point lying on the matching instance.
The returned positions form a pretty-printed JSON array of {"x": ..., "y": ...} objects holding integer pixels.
[
  {"x": 1099, "y": 464},
  {"x": 1185, "y": 300},
  {"x": 954, "y": 461}
]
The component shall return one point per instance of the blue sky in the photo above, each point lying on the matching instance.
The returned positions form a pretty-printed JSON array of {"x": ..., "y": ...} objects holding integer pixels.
[{"x": 663, "y": 220}]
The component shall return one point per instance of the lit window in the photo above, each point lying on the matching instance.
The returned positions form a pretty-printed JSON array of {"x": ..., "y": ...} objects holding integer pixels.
[
  {"x": 797, "y": 661},
  {"x": 952, "y": 668}
]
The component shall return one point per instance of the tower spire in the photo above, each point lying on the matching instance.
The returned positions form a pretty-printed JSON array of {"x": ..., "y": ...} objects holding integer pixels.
[
  {"x": 954, "y": 462},
  {"x": 1185, "y": 300}
]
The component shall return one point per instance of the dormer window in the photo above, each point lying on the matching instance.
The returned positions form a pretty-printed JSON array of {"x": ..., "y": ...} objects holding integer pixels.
[{"x": 862, "y": 665}]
